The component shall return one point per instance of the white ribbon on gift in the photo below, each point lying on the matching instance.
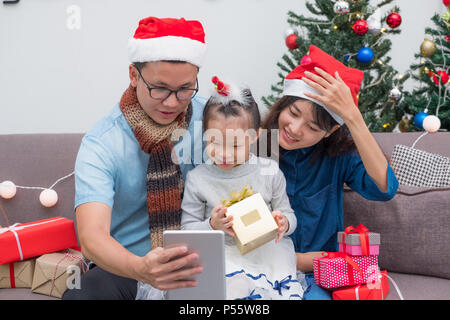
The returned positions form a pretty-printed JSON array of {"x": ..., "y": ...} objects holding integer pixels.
[
  {"x": 357, "y": 292},
  {"x": 13, "y": 229},
  {"x": 375, "y": 285},
  {"x": 16, "y": 227}
]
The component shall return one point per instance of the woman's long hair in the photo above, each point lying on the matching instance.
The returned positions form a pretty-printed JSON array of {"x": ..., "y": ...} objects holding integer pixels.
[{"x": 338, "y": 143}]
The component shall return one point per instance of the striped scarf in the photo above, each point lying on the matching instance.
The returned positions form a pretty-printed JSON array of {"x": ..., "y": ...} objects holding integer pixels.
[{"x": 164, "y": 178}]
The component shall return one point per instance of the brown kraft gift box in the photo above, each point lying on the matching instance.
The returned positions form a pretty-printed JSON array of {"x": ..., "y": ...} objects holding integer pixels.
[{"x": 52, "y": 271}]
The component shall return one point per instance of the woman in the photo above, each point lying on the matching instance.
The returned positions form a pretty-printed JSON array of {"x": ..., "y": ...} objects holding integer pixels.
[{"x": 324, "y": 143}]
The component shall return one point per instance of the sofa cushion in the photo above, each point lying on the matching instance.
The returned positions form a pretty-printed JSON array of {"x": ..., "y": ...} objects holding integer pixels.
[
  {"x": 417, "y": 287},
  {"x": 418, "y": 168},
  {"x": 414, "y": 227}
]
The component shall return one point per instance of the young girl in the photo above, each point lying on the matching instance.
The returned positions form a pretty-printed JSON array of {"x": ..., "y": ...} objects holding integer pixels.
[
  {"x": 324, "y": 143},
  {"x": 231, "y": 122}
]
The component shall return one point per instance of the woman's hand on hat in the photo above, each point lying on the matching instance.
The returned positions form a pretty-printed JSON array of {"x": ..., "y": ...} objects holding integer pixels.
[{"x": 334, "y": 93}]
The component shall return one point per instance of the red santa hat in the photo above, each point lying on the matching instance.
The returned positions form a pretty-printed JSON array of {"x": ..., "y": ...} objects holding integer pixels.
[
  {"x": 168, "y": 39},
  {"x": 294, "y": 86}
]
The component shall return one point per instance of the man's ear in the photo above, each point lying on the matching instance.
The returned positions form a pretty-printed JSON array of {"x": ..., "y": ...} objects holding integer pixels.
[
  {"x": 134, "y": 75},
  {"x": 329, "y": 133}
]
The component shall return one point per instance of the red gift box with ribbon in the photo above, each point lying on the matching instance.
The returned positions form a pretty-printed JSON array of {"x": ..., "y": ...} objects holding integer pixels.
[
  {"x": 359, "y": 241},
  {"x": 337, "y": 269},
  {"x": 27, "y": 240},
  {"x": 376, "y": 290}
]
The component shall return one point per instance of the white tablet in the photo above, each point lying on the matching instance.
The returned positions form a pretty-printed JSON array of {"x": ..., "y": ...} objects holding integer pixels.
[{"x": 210, "y": 246}]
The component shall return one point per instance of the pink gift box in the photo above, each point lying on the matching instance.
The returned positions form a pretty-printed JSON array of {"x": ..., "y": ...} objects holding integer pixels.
[
  {"x": 355, "y": 250},
  {"x": 334, "y": 271},
  {"x": 351, "y": 241}
]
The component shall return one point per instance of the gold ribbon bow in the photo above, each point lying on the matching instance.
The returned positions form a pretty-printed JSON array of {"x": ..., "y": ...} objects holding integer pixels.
[{"x": 246, "y": 192}]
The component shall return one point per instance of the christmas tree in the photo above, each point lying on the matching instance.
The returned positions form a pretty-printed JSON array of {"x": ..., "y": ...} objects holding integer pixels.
[
  {"x": 355, "y": 33},
  {"x": 431, "y": 72}
]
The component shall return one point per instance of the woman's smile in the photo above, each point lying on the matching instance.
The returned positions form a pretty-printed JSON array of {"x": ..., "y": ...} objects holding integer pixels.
[{"x": 289, "y": 138}]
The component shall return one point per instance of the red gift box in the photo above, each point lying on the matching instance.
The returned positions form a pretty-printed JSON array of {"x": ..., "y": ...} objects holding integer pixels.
[
  {"x": 337, "y": 269},
  {"x": 22, "y": 241},
  {"x": 372, "y": 291}
]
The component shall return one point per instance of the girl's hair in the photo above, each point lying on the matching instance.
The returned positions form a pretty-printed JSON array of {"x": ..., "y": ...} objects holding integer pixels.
[
  {"x": 338, "y": 143},
  {"x": 235, "y": 109}
]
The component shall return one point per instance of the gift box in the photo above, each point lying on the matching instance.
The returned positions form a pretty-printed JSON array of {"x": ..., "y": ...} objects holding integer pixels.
[
  {"x": 376, "y": 290},
  {"x": 22, "y": 241},
  {"x": 359, "y": 241},
  {"x": 52, "y": 271},
  {"x": 253, "y": 223},
  {"x": 337, "y": 269},
  {"x": 17, "y": 274}
]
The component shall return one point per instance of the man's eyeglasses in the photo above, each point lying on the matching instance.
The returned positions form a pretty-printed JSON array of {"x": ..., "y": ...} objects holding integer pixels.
[{"x": 160, "y": 93}]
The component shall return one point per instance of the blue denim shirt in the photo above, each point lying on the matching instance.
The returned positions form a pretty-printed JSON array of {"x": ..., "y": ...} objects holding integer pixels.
[
  {"x": 316, "y": 190},
  {"x": 111, "y": 168}
]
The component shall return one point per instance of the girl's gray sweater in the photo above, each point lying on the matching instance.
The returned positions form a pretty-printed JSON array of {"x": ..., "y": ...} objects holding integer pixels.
[{"x": 207, "y": 184}]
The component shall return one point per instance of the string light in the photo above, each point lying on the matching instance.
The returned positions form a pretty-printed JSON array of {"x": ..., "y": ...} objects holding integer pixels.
[{"x": 48, "y": 197}]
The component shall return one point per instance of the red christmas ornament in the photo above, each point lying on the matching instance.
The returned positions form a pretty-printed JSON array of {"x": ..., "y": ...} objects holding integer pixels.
[
  {"x": 442, "y": 75},
  {"x": 446, "y": 2},
  {"x": 360, "y": 27},
  {"x": 305, "y": 60},
  {"x": 393, "y": 20},
  {"x": 291, "y": 41},
  {"x": 220, "y": 87},
  {"x": 447, "y": 38}
]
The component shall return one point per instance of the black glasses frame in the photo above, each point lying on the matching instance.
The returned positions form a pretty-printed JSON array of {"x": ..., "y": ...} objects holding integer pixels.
[{"x": 169, "y": 91}]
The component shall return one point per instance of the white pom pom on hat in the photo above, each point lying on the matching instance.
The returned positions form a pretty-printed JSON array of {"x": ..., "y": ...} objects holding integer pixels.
[{"x": 168, "y": 39}]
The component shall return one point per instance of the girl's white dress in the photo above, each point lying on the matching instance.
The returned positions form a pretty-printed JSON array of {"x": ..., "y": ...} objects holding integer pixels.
[{"x": 266, "y": 273}]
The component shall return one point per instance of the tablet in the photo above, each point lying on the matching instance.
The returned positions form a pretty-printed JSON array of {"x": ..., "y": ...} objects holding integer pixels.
[{"x": 210, "y": 246}]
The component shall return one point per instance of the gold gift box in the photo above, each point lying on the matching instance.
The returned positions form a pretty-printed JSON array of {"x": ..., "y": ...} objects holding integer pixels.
[
  {"x": 253, "y": 223},
  {"x": 52, "y": 271},
  {"x": 23, "y": 274}
]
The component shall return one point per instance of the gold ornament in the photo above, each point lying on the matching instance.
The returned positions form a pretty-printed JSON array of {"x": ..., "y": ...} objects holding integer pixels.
[
  {"x": 428, "y": 48},
  {"x": 356, "y": 15},
  {"x": 424, "y": 70},
  {"x": 446, "y": 16},
  {"x": 403, "y": 125}
]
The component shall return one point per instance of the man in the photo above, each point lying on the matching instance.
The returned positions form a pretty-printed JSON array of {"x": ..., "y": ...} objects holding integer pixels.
[{"x": 125, "y": 177}]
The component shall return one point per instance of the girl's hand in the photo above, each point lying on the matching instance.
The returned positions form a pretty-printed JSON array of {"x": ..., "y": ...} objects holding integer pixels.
[
  {"x": 282, "y": 222},
  {"x": 335, "y": 94},
  {"x": 219, "y": 221}
]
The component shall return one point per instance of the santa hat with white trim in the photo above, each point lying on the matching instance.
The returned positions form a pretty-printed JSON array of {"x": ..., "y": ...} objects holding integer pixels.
[
  {"x": 168, "y": 39},
  {"x": 295, "y": 86}
]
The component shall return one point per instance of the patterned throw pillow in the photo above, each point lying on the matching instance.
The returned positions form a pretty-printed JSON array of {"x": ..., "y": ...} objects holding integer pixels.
[{"x": 419, "y": 168}]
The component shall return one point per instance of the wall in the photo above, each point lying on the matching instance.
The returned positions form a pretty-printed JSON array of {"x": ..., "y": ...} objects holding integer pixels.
[{"x": 59, "y": 73}]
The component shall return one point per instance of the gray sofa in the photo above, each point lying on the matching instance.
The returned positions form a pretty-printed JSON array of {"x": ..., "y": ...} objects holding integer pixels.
[{"x": 40, "y": 159}]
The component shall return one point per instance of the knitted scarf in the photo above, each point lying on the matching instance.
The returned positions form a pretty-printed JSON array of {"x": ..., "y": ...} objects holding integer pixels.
[{"x": 164, "y": 178}]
